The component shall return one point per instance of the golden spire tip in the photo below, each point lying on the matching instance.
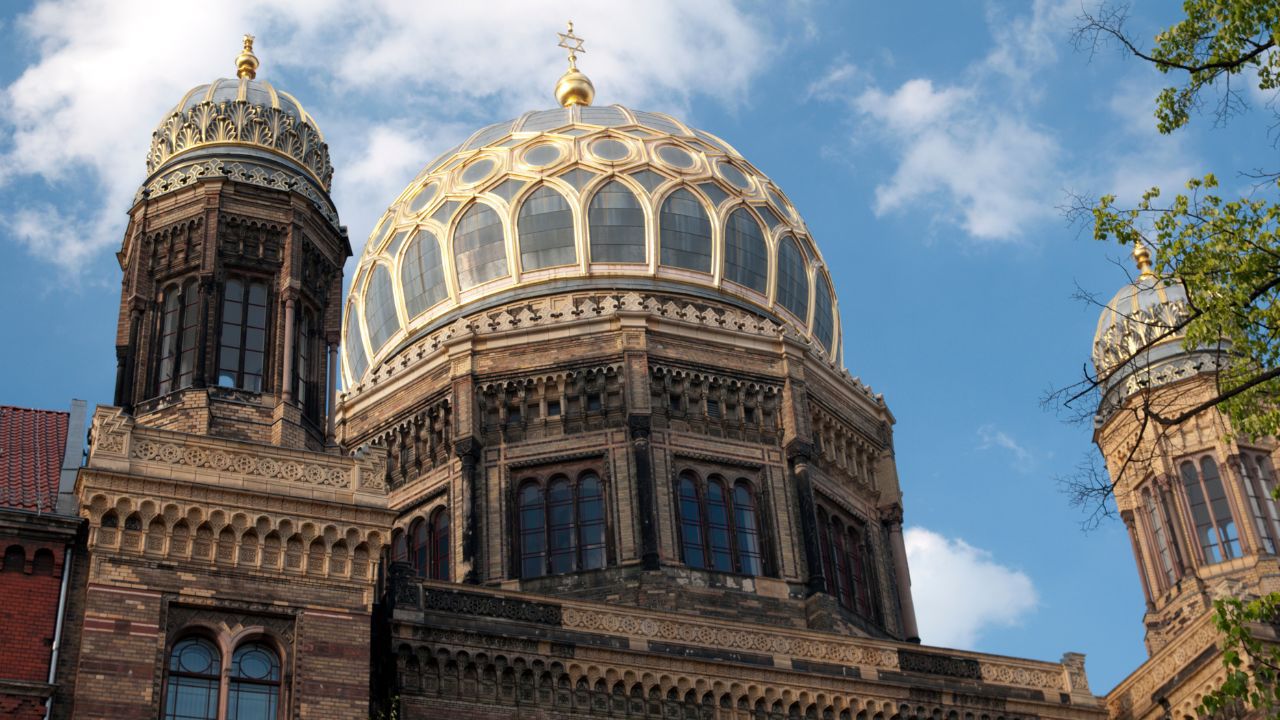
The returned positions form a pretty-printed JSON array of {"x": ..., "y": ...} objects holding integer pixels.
[
  {"x": 1142, "y": 258},
  {"x": 573, "y": 88},
  {"x": 246, "y": 61}
]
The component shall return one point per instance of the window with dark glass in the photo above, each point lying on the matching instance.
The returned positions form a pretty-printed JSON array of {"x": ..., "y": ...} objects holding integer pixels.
[
  {"x": 380, "y": 315},
  {"x": 546, "y": 230},
  {"x": 562, "y": 525},
  {"x": 1210, "y": 510},
  {"x": 195, "y": 674},
  {"x": 479, "y": 249},
  {"x": 719, "y": 524},
  {"x": 823, "y": 315},
  {"x": 847, "y": 564},
  {"x": 255, "y": 683},
  {"x": 243, "y": 341},
  {"x": 428, "y": 545},
  {"x": 179, "y": 332},
  {"x": 684, "y": 232},
  {"x": 1259, "y": 482},
  {"x": 792, "y": 286},
  {"x": 746, "y": 257},
  {"x": 306, "y": 389},
  {"x": 1155, "y": 521},
  {"x": 615, "y": 222}
]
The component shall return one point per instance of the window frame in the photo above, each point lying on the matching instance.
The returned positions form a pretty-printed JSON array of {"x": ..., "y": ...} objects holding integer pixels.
[
  {"x": 186, "y": 291},
  {"x": 227, "y": 646},
  {"x": 849, "y": 563},
  {"x": 702, "y": 482},
  {"x": 247, "y": 281},
  {"x": 1260, "y": 481},
  {"x": 1227, "y": 546},
  {"x": 578, "y": 553}
]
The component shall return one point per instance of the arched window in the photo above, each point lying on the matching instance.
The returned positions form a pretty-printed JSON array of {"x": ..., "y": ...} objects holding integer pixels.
[
  {"x": 15, "y": 559},
  {"x": 546, "y": 231},
  {"x": 562, "y": 526},
  {"x": 479, "y": 249},
  {"x": 685, "y": 232},
  {"x": 616, "y": 225},
  {"x": 439, "y": 525},
  {"x": 242, "y": 346},
  {"x": 719, "y": 526},
  {"x": 1155, "y": 521},
  {"x": 1260, "y": 482},
  {"x": 419, "y": 547},
  {"x": 179, "y": 331},
  {"x": 399, "y": 546},
  {"x": 42, "y": 562},
  {"x": 792, "y": 286},
  {"x": 305, "y": 386},
  {"x": 255, "y": 683},
  {"x": 380, "y": 308},
  {"x": 823, "y": 317},
  {"x": 847, "y": 564},
  {"x": 746, "y": 257},
  {"x": 195, "y": 669},
  {"x": 357, "y": 360},
  {"x": 1210, "y": 511},
  {"x": 422, "y": 274}
]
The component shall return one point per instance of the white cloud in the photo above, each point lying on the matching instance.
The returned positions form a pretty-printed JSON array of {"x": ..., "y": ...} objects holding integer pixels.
[
  {"x": 991, "y": 437},
  {"x": 392, "y": 77},
  {"x": 960, "y": 591}
]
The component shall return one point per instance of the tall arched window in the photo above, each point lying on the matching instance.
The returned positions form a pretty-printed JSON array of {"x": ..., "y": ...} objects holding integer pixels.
[
  {"x": 684, "y": 232},
  {"x": 380, "y": 315},
  {"x": 792, "y": 286},
  {"x": 400, "y": 546},
  {"x": 1155, "y": 521},
  {"x": 746, "y": 257},
  {"x": 439, "y": 532},
  {"x": 419, "y": 547},
  {"x": 562, "y": 525},
  {"x": 615, "y": 223},
  {"x": 305, "y": 386},
  {"x": 242, "y": 347},
  {"x": 546, "y": 230},
  {"x": 422, "y": 274},
  {"x": 179, "y": 331},
  {"x": 195, "y": 670},
  {"x": 1210, "y": 511},
  {"x": 255, "y": 683},
  {"x": 719, "y": 525},
  {"x": 823, "y": 315},
  {"x": 847, "y": 563},
  {"x": 1260, "y": 482},
  {"x": 353, "y": 345},
  {"x": 479, "y": 249}
]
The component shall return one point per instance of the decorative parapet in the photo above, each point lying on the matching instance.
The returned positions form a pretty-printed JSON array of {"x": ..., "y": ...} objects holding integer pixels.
[
  {"x": 118, "y": 444},
  {"x": 550, "y": 311},
  {"x": 1150, "y": 685},
  {"x": 793, "y": 648}
]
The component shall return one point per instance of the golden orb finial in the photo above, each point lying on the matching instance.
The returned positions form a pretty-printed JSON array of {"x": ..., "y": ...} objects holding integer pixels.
[
  {"x": 1142, "y": 257},
  {"x": 573, "y": 88},
  {"x": 246, "y": 61}
]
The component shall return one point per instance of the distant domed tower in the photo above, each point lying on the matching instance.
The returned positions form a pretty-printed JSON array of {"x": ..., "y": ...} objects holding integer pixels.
[
  {"x": 602, "y": 351},
  {"x": 1197, "y": 501},
  {"x": 230, "y": 306}
]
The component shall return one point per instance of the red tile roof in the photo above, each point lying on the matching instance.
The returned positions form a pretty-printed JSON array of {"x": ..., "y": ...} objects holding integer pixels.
[{"x": 32, "y": 443}]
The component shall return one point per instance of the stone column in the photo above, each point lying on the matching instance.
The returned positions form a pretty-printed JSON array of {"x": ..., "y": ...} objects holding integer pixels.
[
  {"x": 800, "y": 454},
  {"x": 331, "y": 397},
  {"x": 287, "y": 380},
  {"x": 1127, "y": 516},
  {"x": 468, "y": 451},
  {"x": 207, "y": 286},
  {"x": 642, "y": 454},
  {"x": 901, "y": 572},
  {"x": 127, "y": 366}
]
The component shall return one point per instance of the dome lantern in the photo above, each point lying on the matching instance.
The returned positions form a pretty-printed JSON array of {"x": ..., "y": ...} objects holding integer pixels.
[
  {"x": 246, "y": 61},
  {"x": 573, "y": 88}
]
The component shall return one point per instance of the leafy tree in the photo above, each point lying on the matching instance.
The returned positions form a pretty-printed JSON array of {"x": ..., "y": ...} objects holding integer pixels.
[{"x": 1226, "y": 252}]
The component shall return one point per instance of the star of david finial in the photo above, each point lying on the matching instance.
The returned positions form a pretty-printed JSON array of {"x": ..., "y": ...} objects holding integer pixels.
[{"x": 573, "y": 44}]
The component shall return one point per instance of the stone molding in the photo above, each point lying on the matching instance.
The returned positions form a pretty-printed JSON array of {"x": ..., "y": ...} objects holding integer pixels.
[{"x": 1135, "y": 695}]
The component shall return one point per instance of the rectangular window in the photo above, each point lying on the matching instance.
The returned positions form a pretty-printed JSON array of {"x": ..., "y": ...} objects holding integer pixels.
[
  {"x": 553, "y": 408},
  {"x": 243, "y": 339},
  {"x": 713, "y": 409}
]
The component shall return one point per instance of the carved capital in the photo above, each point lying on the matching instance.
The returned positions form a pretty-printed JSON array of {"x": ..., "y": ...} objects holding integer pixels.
[
  {"x": 892, "y": 516},
  {"x": 467, "y": 450},
  {"x": 639, "y": 426}
]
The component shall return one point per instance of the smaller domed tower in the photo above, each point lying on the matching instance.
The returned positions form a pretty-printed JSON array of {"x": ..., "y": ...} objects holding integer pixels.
[
  {"x": 232, "y": 260},
  {"x": 1197, "y": 501}
]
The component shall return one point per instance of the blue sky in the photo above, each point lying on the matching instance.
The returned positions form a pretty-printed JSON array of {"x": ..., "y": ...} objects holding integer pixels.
[{"x": 928, "y": 147}]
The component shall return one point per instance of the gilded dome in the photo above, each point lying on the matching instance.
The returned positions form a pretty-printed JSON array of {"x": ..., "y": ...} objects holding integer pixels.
[
  {"x": 1143, "y": 314},
  {"x": 584, "y": 197},
  {"x": 244, "y": 129}
]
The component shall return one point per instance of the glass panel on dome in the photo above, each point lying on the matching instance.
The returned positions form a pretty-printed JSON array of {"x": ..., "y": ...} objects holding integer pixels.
[
  {"x": 708, "y": 137},
  {"x": 508, "y": 189},
  {"x": 541, "y": 155},
  {"x": 546, "y": 120},
  {"x": 732, "y": 174},
  {"x": 577, "y": 177},
  {"x": 477, "y": 171},
  {"x": 770, "y": 217},
  {"x": 396, "y": 242},
  {"x": 642, "y": 134},
  {"x": 479, "y": 250},
  {"x": 422, "y": 274},
  {"x": 488, "y": 135},
  {"x": 424, "y": 197},
  {"x": 715, "y": 192},
  {"x": 353, "y": 345},
  {"x": 659, "y": 122},
  {"x": 675, "y": 157},
  {"x": 777, "y": 201},
  {"x": 685, "y": 232},
  {"x": 376, "y": 238},
  {"x": 607, "y": 116},
  {"x": 649, "y": 179},
  {"x": 823, "y": 318},
  {"x": 442, "y": 157},
  {"x": 792, "y": 286},
  {"x": 746, "y": 256},
  {"x": 616, "y": 224},
  {"x": 380, "y": 308},
  {"x": 546, "y": 230},
  {"x": 574, "y": 132},
  {"x": 510, "y": 142},
  {"x": 445, "y": 212},
  {"x": 610, "y": 149}
]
